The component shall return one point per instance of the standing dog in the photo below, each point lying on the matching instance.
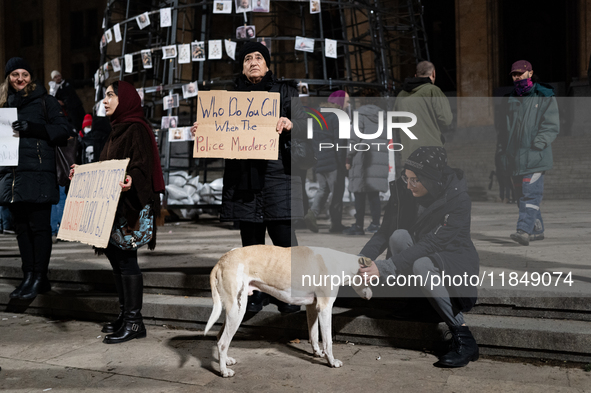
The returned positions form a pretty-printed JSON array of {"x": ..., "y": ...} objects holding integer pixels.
[{"x": 270, "y": 269}]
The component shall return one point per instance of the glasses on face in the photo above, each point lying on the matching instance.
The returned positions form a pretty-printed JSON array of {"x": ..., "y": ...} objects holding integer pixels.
[{"x": 414, "y": 181}]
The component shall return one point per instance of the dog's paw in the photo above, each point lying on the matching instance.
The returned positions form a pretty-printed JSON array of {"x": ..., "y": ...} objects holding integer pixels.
[
  {"x": 318, "y": 353},
  {"x": 227, "y": 373},
  {"x": 230, "y": 361},
  {"x": 336, "y": 363}
]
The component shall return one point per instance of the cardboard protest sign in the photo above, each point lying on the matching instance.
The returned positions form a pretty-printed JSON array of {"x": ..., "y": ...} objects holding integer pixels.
[
  {"x": 237, "y": 125},
  {"x": 8, "y": 142},
  {"x": 92, "y": 201}
]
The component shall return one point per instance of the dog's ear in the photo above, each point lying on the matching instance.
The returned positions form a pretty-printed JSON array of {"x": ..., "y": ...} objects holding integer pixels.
[{"x": 365, "y": 261}]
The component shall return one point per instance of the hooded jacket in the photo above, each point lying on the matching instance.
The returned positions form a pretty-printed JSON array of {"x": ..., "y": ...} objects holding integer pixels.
[
  {"x": 264, "y": 190},
  {"x": 532, "y": 125},
  {"x": 431, "y": 107},
  {"x": 440, "y": 232},
  {"x": 369, "y": 169},
  {"x": 34, "y": 179}
]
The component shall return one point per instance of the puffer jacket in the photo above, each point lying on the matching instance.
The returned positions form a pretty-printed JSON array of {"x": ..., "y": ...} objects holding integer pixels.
[
  {"x": 369, "y": 169},
  {"x": 34, "y": 179},
  {"x": 532, "y": 125},
  {"x": 441, "y": 232}
]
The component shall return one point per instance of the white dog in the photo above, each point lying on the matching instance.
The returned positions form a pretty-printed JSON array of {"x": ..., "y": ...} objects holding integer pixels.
[{"x": 269, "y": 269}]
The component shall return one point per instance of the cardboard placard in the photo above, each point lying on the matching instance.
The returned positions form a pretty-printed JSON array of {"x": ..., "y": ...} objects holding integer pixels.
[
  {"x": 237, "y": 125},
  {"x": 8, "y": 141},
  {"x": 92, "y": 201}
]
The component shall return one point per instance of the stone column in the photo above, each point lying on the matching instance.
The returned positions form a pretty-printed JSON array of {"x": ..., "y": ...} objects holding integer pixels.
[
  {"x": 477, "y": 60},
  {"x": 585, "y": 39},
  {"x": 52, "y": 48}
]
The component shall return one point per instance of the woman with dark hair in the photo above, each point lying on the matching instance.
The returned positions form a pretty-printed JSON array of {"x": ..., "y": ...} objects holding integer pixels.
[
  {"x": 131, "y": 138},
  {"x": 30, "y": 188}
]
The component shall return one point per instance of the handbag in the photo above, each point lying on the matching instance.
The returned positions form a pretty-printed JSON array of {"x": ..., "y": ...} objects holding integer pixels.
[
  {"x": 127, "y": 238},
  {"x": 65, "y": 156}
]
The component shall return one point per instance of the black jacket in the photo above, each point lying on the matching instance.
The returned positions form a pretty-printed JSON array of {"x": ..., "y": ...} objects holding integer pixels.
[
  {"x": 34, "y": 179},
  {"x": 329, "y": 159},
  {"x": 441, "y": 232},
  {"x": 72, "y": 103},
  {"x": 261, "y": 190}
]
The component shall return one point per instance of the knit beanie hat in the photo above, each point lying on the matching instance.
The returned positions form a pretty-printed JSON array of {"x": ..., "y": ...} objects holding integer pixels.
[
  {"x": 250, "y": 47},
  {"x": 428, "y": 163},
  {"x": 338, "y": 97},
  {"x": 54, "y": 73},
  {"x": 16, "y": 63},
  {"x": 87, "y": 122}
]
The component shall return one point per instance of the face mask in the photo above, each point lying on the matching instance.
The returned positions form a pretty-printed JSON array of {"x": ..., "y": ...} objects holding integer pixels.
[
  {"x": 523, "y": 86},
  {"x": 86, "y": 129}
]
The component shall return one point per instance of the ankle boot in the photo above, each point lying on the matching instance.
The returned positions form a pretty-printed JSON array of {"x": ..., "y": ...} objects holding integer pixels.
[
  {"x": 463, "y": 348},
  {"x": 114, "y": 326},
  {"x": 133, "y": 325},
  {"x": 39, "y": 284},
  {"x": 26, "y": 282},
  {"x": 257, "y": 301},
  {"x": 285, "y": 308}
]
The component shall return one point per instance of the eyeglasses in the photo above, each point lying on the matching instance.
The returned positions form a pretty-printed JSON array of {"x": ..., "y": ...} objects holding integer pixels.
[{"x": 414, "y": 181}]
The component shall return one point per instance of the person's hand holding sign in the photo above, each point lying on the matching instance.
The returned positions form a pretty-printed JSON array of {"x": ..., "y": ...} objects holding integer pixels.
[
  {"x": 194, "y": 129},
  {"x": 125, "y": 186},
  {"x": 284, "y": 124}
]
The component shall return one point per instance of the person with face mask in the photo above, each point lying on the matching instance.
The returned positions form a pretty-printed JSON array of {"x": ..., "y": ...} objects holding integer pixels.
[
  {"x": 30, "y": 188},
  {"x": 526, "y": 147},
  {"x": 426, "y": 230}
]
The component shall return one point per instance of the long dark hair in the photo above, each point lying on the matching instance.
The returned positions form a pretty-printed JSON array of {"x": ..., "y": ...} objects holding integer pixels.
[{"x": 115, "y": 87}]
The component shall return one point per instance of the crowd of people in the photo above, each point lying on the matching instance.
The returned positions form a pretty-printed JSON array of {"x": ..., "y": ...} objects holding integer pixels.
[{"x": 425, "y": 228}]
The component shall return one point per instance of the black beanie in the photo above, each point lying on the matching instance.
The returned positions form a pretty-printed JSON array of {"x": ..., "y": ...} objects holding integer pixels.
[
  {"x": 427, "y": 162},
  {"x": 250, "y": 47},
  {"x": 16, "y": 63}
]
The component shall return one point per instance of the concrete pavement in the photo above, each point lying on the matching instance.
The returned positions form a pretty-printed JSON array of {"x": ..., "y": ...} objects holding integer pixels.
[{"x": 37, "y": 354}]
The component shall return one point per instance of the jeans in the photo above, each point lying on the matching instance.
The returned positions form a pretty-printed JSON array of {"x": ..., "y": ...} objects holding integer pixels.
[
  {"x": 438, "y": 296},
  {"x": 5, "y": 219},
  {"x": 330, "y": 182},
  {"x": 374, "y": 206},
  {"x": 530, "y": 189},
  {"x": 123, "y": 262},
  {"x": 281, "y": 232},
  {"x": 57, "y": 211}
]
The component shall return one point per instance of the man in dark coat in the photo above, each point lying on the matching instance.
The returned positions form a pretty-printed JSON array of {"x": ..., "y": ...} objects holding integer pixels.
[
  {"x": 66, "y": 95},
  {"x": 426, "y": 229}
]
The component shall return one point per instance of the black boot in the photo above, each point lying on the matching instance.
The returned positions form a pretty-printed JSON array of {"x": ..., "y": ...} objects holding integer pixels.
[
  {"x": 256, "y": 301},
  {"x": 285, "y": 308},
  {"x": 114, "y": 326},
  {"x": 39, "y": 284},
  {"x": 26, "y": 282},
  {"x": 133, "y": 325},
  {"x": 463, "y": 348}
]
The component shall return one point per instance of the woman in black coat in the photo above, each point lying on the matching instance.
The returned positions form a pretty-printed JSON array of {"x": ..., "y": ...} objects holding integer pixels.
[
  {"x": 30, "y": 188},
  {"x": 426, "y": 229},
  {"x": 264, "y": 195}
]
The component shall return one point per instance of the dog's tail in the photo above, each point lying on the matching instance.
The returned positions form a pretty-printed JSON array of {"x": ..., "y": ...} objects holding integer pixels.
[{"x": 217, "y": 301}]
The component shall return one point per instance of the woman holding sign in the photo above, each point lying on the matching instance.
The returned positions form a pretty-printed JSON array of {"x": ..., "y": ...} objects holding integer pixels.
[
  {"x": 258, "y": 193},
  {"x": 139, "y": 205},
  {"x": 30, "y": 187}
]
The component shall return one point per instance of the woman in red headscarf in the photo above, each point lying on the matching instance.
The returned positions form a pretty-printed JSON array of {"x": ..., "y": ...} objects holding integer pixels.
[{"x": 131, "y": 137}]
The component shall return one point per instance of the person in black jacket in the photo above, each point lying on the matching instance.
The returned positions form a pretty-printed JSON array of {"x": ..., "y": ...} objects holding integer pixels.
[
  {"x": 426, "y": 229},
  {"x": 30, "y": 188},
  {"x": 264, "y": 195},
  {"x": 66, "y": 95}
]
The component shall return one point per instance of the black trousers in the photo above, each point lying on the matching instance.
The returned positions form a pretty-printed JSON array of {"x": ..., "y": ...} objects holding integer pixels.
[
  {"x": 32, "y": 225},
  {"x": 281, "y": 232},
  {"x": 123, "y": 262}
]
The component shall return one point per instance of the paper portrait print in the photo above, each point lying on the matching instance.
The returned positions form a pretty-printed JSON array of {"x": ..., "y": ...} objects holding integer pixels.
[
  {"x": 304, "y": 44},
  {"x": 260, "y": 5},
  {"x": 314, "y": 6},
  {"x": 116, "y": 65},
  {"x": 173, "y": 121},
  {"x": 230, "y": 49},
  {"x": 184, "y": 53},
  {"x": 265, "y": 41},
  {"x": 215, "y": 49},
  {"x": 303, "y": 89},
  {"x": 165, "y": 17},
  {"x": 190, "y": 90},
  {"x": 109, "y": 36},
  {"x": 140, "y": 92},
  {"x": 170, "y": 101},
  {"x": 222, "y": 7},
  {"x": 164, "y": 122},
  {"x": 330, "y": 48},
  {"x": 169, "y": 52},
  {"x": 129, "y": 63},
  {"x": 147, "y": 58},
  {"x": 117, "y": 32},
  {"x": 198, "y": 51},
  {"x": 243, "y": 6},
  {"x": 143, "y": 20}
]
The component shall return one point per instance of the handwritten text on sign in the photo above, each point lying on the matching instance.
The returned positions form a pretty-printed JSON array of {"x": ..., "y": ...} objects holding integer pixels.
[
  {"x": 92, "y": 202},
  {"x": 237, "y": 125},
  {"x": 8, "y": 141}
]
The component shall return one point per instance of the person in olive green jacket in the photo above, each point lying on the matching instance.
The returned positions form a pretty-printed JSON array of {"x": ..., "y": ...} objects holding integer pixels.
[
  {"x": 532, "y": 125},
  {"x": 427, "y": 102}
]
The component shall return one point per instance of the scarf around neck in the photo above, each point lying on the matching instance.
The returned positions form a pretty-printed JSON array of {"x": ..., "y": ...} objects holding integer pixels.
[{"x": 523, "y": 86}]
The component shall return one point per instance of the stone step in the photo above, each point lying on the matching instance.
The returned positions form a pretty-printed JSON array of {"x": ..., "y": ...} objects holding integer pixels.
[{"x": 565, "y": 340}]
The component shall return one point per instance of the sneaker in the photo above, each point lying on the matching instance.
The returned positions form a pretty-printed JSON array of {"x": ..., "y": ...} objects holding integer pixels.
[
  {"x": 353, "y": 230},
  {"x": 521, "y": 237},
  {"x": 337, "y": 228},
  {"x": 539, "y": 236},
  {"x": 372, "y": 228},
  {"x": 54, "y": 239},
  {"x": 310, "y": 220}
]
